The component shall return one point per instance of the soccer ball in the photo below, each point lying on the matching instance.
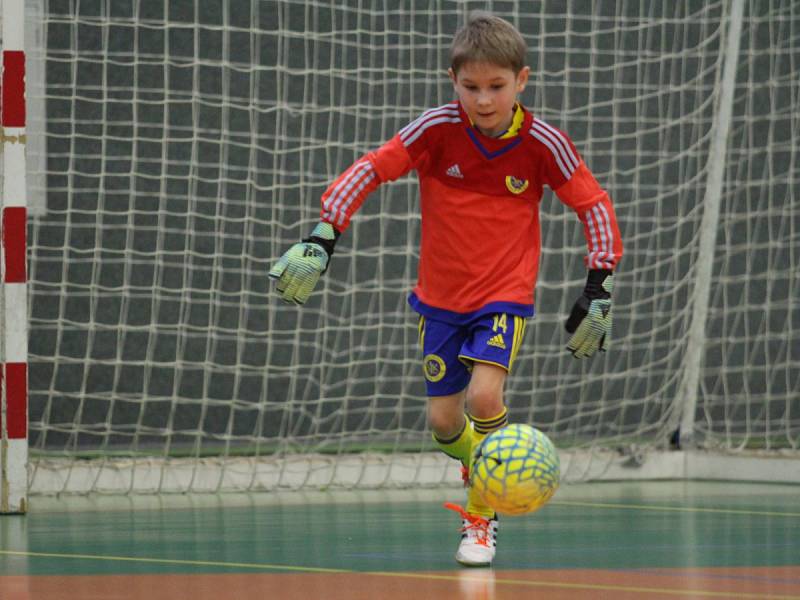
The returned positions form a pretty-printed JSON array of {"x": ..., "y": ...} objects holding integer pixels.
[{"x": 515, "y": 469}]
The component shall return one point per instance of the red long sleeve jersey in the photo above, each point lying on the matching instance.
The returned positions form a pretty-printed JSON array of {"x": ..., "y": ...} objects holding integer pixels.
[{"x": 480, "y": 199}]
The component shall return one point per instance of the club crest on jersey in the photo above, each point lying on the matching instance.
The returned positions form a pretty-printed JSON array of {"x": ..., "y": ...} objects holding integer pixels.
[
  {"x": 434, "y": 368},
  {"x": 516, "y": 186}
]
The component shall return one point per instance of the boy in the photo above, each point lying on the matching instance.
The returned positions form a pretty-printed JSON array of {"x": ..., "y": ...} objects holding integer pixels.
[{"x": 482, "y": 161}]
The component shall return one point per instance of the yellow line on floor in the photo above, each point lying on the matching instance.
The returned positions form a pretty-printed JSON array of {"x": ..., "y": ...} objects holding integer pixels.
[
  {"x": 431, "y": 576},
  {"x": 173, "y": 561}
]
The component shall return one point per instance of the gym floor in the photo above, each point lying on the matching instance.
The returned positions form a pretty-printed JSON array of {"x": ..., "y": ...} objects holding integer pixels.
[{"x": 599, "y": 540}]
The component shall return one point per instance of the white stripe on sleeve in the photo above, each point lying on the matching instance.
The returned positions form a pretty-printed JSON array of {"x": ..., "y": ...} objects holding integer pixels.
[
  {"x": 560, "y": 140},
  {"x": 345, "y": 187},
  {"x": 565, "y": 171},
  {"x": 601, "y": 251},
  {"x": 443, "y": 114}
]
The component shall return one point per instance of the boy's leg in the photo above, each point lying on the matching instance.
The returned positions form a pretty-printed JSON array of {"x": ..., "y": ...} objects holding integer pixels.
[
  {"x": 451, "y": 430},
  {"x": 484, "y": 401},
  {"x": 446, "y": 379},
  {"x": 479, "y": 531},
  {"x": 485, "y": 393},
  {"x": 490, "y": 349}
]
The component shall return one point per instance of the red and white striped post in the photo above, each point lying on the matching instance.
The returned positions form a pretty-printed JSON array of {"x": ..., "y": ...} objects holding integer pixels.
[{"x": 13, "y": 266}]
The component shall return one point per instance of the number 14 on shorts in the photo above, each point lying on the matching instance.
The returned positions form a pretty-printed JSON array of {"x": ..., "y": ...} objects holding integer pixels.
[{"x": 500, "y": 322}]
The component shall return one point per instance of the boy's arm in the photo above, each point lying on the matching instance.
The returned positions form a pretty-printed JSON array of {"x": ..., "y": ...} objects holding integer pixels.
[
  {"x": 565, "y": 172},
  {"x": 299, "y": 269},
  {"x": 347, "y": 193},
  {"x": 591, "y": 203},
  {"x": 589, "y": 321}
]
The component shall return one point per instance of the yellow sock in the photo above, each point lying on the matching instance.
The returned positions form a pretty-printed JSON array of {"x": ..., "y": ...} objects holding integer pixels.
[
  {"x": 459, "y": 446},
  {"x": 482, "y": 428}
]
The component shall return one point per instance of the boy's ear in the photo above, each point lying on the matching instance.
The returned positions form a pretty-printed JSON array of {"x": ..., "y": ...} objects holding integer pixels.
[
  {"x": 452, "y": 75},
  {"x": 522, "y": 78}
]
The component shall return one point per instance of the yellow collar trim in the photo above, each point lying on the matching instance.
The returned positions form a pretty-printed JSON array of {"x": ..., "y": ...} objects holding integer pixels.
[{"x": 516, "y": 123}]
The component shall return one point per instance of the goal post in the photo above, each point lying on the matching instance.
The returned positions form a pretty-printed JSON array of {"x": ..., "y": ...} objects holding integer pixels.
[
  {"x": 709, "y": 224},
  {"x": 13, "y": 266},
  {"x": 187, "y": 145}
]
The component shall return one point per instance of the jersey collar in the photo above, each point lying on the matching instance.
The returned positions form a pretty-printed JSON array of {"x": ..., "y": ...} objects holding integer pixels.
[
  {"x": 518, "y": 121},
  {"x": 492, "y": 147}
]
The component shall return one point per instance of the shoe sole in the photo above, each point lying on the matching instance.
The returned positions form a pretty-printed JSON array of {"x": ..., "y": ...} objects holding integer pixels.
[{"x": 473, "y": 564}]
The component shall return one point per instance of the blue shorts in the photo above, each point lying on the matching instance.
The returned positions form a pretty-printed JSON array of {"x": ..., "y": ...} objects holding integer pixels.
[{"x": 449, "y": 351}]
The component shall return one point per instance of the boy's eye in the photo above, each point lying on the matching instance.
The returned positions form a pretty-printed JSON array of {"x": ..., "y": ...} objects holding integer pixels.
[{"x": 494, "y": 86}]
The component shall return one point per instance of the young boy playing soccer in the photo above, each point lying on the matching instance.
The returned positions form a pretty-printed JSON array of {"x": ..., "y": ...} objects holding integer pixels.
[{"x": 482, "y": 162}]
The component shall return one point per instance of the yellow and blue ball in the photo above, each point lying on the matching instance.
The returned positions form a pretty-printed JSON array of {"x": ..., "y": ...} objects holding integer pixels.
[{"x": 515, "y": 470}]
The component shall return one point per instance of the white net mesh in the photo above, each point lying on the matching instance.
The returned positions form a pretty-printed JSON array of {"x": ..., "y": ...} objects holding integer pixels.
[
  {"x": 750, "y": 392},
  {"x": 188, "y": 144}
]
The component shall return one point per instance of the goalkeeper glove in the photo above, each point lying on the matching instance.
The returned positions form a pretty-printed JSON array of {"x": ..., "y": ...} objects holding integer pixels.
[
  {"x": 590, "y": 318},
  {"x": 299, "y": 269}
]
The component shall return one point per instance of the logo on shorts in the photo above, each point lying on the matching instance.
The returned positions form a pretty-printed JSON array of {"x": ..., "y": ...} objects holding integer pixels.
[
  {"x": 516, "y": 186},
  {"x": 434, "y": 368},
  {"x": 497, "y": 341}
]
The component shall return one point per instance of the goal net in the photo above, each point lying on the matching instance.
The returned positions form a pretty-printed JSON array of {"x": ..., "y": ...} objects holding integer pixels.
[{"x": 187, "y": 145}]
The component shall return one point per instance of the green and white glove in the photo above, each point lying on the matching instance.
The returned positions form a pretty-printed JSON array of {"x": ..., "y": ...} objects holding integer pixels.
[
  {"x": 589, "y": 321},
  {"x": 299, "y": 269}
]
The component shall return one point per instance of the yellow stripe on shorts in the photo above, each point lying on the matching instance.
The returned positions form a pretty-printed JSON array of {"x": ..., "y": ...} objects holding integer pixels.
[{"x": 519, "y": 333}]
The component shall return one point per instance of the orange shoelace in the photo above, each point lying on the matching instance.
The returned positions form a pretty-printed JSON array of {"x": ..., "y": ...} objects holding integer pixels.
[{"x": 474, "y": 522}]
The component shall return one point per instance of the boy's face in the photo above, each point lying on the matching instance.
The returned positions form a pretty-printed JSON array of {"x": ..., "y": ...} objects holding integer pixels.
[{"x": 488, "y": 94}]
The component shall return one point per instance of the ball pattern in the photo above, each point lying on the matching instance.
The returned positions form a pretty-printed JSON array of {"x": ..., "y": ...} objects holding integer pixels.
[{"x": 515, "y": 469}]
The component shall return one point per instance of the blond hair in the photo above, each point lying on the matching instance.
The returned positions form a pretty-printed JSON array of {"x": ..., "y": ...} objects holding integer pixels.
[{"x": 490, "y": 39}]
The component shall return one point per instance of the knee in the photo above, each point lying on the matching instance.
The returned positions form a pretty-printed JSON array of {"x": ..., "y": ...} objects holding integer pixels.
[
  {"x": 484, "y": 402},
  {"x": 445, "y": 419}
]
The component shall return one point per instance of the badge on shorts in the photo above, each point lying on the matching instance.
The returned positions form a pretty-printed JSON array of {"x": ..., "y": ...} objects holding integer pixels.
[
  {"x": 516, "y": 186},
  {"x": 434, "y": 368}
]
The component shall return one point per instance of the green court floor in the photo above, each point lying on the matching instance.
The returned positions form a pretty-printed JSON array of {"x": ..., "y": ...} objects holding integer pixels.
[{"x": 601, "y": 540}]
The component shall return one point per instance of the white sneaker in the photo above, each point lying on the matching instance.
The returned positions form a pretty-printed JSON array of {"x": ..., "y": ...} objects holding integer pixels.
[{"x": 478, "y": 538}]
